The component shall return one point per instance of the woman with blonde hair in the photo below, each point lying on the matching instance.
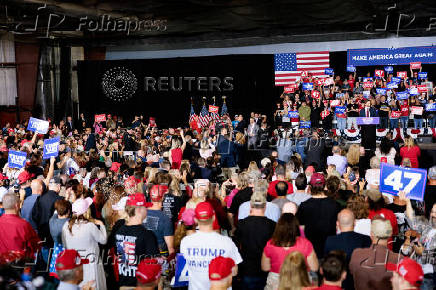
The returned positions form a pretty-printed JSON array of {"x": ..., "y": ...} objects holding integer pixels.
[
  {"x": 253, "y": 169},
  {"x": 293, "y": 273},
  {"x": 410, "y": 150},
  {"x": 84, "y": 234},
  {"x": 353, "y": 155},
  {"x": 206, "y": 149},
  {"x": 108, "y": 213},
  {"x": 176, "y": 152}
]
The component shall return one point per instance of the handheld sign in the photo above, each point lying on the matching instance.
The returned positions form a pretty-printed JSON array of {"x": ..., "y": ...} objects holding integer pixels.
[
  {"x": 51, "y": 148},
  {"x": 392, "y": 85},
  {"x": 38, "y": 126},
  {"x": 415, "y": 65},
  {"x": 334, "y": 103},
  {"x": 430, "y": 107},
  {"x": 366, "y": 94},
  {"x": 100, "y": 118},
  {"x": 340, "y": 111},
  {"x": 329, "y": 71},
  {"x": 367, "y": 85},
  {"x": 293, "y": 114},
  {"x": 307, "y": 86},
  {"x": 315, "y": 94},
  {"x": 213, "y": 109},
  {"x": 413, "y": 91},
  {"x": 379, "y": 73},
  {"x": 416, "y": 110},
  {"x": 304, "y": 124},
  {"x": 367, "y": 79},
  {"x": 395, "y": 114},
  {"x": 389, "y": 68},
  {"x": 396, "y": 80},
  {"x": 402, "y": 95},
  {"x": 422, "y": 75},
  {"x": 181, "y": 277},
  {"x": 351, "y": 68},
  {"x": 422, "y": 88},
  {"x": 381, "y": 91},
  {"x": 289, "y": 89},
  {"x": 410, "y": 180},
  {"x": 16, "y": 159},
  {"x": 402, "y": 74}
]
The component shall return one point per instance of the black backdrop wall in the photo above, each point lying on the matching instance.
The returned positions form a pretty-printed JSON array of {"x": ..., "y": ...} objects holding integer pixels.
[{"x": 253, "y": 85}]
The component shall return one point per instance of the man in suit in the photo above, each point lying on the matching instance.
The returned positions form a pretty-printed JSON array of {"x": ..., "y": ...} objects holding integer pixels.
[
  {"x": 69, "y": 124},
  {"x": 240, "y": 127},
  {"x": 252, "y": 131},
  {"x": 368, "y": 132}
]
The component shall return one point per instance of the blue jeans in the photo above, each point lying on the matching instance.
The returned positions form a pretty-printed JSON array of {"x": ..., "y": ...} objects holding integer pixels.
[
  {"x": 394, "y": 123},
  {"x": 254, "y": 282},
  {"x": 432, "y": 121},
  {"x": 418, "y": 123},
  {"x": 342, "y": 123},
  {"x": 384, "y": 123},
  {"x": 404, "y": 121}
]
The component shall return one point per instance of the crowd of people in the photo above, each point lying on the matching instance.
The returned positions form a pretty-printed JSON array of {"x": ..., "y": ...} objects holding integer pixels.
[{"x": 122, "y": 205}]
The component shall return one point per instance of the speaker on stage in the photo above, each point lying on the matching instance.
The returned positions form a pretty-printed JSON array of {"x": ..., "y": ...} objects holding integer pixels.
[{"x": 368, "y": 121}]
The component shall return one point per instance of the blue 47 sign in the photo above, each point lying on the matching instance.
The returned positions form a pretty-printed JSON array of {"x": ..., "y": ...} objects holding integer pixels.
[
  {"x": 181, "y": 278},
  {"x": 410, "y": 180}
]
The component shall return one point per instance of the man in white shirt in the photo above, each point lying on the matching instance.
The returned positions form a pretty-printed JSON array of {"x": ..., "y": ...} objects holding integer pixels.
[
  {"x": 200, "y": 248},
  {"x": 338, "y": 160}
]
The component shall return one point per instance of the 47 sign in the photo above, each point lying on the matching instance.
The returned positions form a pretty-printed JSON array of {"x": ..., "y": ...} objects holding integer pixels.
[{"x": 410, "y": 180}]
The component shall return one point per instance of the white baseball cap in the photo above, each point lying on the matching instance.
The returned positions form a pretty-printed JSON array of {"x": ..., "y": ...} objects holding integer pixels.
[
  {"x": 121, "y": 204},
  {"x": 81, "y": 205}
]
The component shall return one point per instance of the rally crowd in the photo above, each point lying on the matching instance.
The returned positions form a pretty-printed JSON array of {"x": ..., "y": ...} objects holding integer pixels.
[{"x": 122, "y": 201}]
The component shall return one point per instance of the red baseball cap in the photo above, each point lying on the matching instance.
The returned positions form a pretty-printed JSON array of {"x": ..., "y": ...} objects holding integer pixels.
[
  {"x": 410, "y": 270},
  {"x": 157, "y": 192},
  {"x": 24, "y": 176},
  {"x": 317, "y": 179},
  {"x": 220, "y": 268},
  {"x": 136, "y": 199},
  {"x": 204, "y": 211},
  {"x": 69, "y": 259},
  {"x": 148, "y": 271}
]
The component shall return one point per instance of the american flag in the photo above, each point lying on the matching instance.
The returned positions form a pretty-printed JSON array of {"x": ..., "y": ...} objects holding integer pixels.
[
  {"x": 289, "y": 66},
  {"x": 204, "y": 117},
  {"x": 192, "y": 115}
]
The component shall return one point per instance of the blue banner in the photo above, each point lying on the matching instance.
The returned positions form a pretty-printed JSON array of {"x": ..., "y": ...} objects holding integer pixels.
[
  {"x": 307, "y": 86},
  {"x": 366, "y": 94},
  {"x": 37, "y": 125},
  {"x": 181, "y": 278},
  {"x": 340, "y": 110},
  {"x": 351, "y": 68},
  {"x": 51, "y": 148},
  {"x": 413, "y": 91},
  {"x": 430, "y": 107},
  {"x": 293, "y": 114},
  {"x": 391, "y": 56},
  {"x": 410, "y": 180},
  {"x": 422, "y": 75},
  {"x": 339, "y": 95},
  {"x": 389, "y": 68},
  {"x": 367, "y": 120},
  {"x": 329, "y": 71},
  {"x": 16, "y": 159},
  {"x": 367, "y": 79},
  {"x": 402, "y": 95},
  {"x": 304, "y": 124},
  {"x": 381, "y": 91}
]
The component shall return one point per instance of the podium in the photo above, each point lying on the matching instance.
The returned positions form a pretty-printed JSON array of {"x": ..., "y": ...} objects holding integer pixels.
[{"x": 368, "y": 133}]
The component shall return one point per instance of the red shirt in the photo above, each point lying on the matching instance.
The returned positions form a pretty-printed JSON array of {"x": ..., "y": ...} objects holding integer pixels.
[
  {"x": 17, "y": 235},
  {"x": 412, "y": 153},
  {"x": 272, "y": 188},
  {"x": 404, "y": 110},
  {"x": 328, "y": 287}
]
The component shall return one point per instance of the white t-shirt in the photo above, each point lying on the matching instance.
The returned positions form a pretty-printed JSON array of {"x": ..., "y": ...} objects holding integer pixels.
[{"x": 199, "y": 249}]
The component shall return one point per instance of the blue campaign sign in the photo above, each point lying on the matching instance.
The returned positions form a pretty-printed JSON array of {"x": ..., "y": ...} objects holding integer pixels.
[
  {"x": 367, "y": 79},
  {"x": 293, "y": 114},
  {"x": 413, "y": 91},
  {"x": 351, "y": 68},
  {"x": 329, "y": 71},
  {"x": 366, "y": 94},
  {"x": 391, "y": 56},
  {"x": 51, "y": 148},
  {"x": 396, "y": 80},
  {"x": 381, "y": 91},
  {"x": 340, "y": 110},
  {"x": 392, "y": 85},
  {"x": 430, "y": 107},
  {"x": 37, "y": 125},
  {"x": 389, "y": 68},
  {"x": 410, "y": 180},
  {"x": 422, "y": 75},
  {"x": 307, "y": 86},
  {"x": 304, "y": 124},
  {"x": 181, "y": 278},
  {"x": 403, "y": 95},
  {"x": 16, "y": 159}
]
